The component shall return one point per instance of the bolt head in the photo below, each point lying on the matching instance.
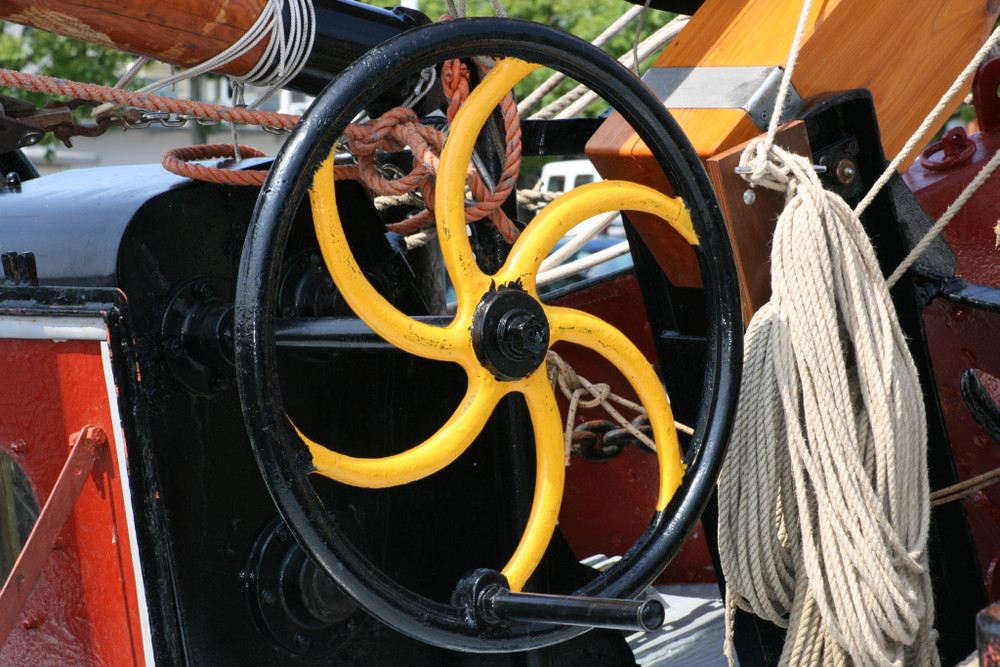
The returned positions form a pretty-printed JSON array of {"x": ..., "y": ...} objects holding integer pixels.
[{"x": 846, "y": 171}]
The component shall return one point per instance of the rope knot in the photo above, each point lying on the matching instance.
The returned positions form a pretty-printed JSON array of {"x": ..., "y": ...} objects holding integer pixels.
[{"x": 769, "y": 164}]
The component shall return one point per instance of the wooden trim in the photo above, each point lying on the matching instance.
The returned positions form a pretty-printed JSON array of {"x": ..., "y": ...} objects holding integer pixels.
[{"x": 752, "y": 226}]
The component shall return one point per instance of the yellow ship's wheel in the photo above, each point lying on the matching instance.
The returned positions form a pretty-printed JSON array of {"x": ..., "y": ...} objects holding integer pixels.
[{"x": 499, "y": 336}]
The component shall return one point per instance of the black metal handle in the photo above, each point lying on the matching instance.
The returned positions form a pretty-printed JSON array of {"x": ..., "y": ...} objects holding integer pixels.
[{"x": 497, "y": 604}]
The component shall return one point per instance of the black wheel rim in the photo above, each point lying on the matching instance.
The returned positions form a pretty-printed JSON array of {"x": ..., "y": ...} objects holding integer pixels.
[{"x": 283, "y": 461}]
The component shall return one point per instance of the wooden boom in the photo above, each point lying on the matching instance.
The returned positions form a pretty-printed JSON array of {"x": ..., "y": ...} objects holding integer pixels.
[{"x": 189, "y": 32}]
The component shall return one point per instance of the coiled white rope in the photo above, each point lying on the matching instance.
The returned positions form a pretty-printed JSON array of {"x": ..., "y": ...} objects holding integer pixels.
[
  {"x": 288, "y": 48},
  {"x": 824, "y": 503},
  {"x": 824, "y": 500}
]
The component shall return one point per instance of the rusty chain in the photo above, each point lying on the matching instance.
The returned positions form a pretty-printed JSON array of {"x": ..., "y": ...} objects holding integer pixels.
[{"x": 603, "y": 440}]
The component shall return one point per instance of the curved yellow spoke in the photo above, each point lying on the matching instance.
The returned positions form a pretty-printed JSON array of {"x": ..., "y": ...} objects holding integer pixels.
[
  {"x": 385, "y": 319},
  {"x": 450, "y": 441},
  {"x": 579, "y": 204},
  {"x": 449, "y": 202},
  {"x": 575, "y": 326},
  {"x": 550, "y": 474}
]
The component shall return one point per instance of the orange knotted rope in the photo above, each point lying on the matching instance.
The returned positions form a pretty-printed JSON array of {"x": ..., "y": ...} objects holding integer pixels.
[{"x": 392, "y": 132}]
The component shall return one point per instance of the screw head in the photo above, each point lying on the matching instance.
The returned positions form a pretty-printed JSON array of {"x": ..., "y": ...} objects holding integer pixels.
[
  {"x": 32, "y": 621},
  {"x": 846, "y": 171},
  {"x": 30, "y": 139},
  {"x": 13, "y": 182}
]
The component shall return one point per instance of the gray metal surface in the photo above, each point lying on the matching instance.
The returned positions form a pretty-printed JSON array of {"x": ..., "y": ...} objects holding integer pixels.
[
  {"x": 73, "y": 221},
  {"x": 753, "y": 89}
]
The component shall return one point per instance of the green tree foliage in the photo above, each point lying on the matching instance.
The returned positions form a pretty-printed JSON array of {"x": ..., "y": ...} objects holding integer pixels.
[{"x": 40, "y": 52}]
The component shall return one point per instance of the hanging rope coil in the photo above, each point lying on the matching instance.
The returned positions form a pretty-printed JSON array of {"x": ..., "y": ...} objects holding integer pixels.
[
  {"x": 824, "y": 499},
  {"x": 824, "y": 503}
]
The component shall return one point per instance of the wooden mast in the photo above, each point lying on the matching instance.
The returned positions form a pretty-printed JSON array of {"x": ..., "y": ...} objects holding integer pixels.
[
  {"x": 179, "y": 32},
  {"x": 189, "y": 32}
]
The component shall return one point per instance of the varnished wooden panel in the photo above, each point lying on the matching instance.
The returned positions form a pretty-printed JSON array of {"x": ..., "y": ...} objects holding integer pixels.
[
  {"x": 752, "y": 226},
  {"x": 907, "y": 52}
]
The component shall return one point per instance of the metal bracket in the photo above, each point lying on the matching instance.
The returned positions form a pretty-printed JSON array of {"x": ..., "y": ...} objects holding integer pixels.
[
  {"x": 753, "y": 89},
  {"x": 89, "y": 444},
  {"x": 22, "y": 124}
]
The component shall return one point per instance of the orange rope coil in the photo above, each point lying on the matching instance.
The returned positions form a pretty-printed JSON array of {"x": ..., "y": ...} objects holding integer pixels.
[{"x": 177, "y": 161}]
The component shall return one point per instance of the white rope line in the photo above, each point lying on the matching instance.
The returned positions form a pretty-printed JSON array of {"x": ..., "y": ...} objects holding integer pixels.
[
  {"x": 580, "y": 93},
  {"x": 786, "y": 79},
  {"x": 824, "y": 500},
  {"x": 531, "y": 101},
  {"x": 949, "y": 214},
  {"x": 584, "y": 233},
  {"x": 582, "y": 264},
  {"x": 534, "y": 199},
  {"x": 648, "y": 47},
  {"x": 284, "y": 56},
  {"x": 635, "y": 42},
  {"x": 428, "y": 76},
  {"x": 574, "y": 387},
  {"x": 460, "y": 10},
  {"x": 132, "y": 71},
  {"x": 931, "y": 120},
  {"x": 987, "y": 50}
]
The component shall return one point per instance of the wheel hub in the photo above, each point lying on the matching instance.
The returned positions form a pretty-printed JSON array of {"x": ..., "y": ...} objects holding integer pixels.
[{"x": 510, "y": 333}]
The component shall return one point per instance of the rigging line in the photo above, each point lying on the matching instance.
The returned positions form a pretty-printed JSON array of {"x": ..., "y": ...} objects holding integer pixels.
[
  {"x": 930, "y": 120},
  {"x": 279, "y": 63},
  {"x": 579, "y": 98},
  {"x": 531, "y": 101},
  {"x": 638, "y": 32}
]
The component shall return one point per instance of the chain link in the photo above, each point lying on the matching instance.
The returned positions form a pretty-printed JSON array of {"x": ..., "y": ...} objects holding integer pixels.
[
  {"x": 603, "y": 440},
  {"x": 139, "y": 119}
]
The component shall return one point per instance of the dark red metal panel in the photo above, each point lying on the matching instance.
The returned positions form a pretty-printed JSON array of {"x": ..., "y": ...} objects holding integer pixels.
[
  {"x": 961, "y": 336},
  {"x": 85, "y": 608},
  {"x": 87, "y": 448},
  {"x": 971, "y": 233},
  {"x": 608, "y": 504}
]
